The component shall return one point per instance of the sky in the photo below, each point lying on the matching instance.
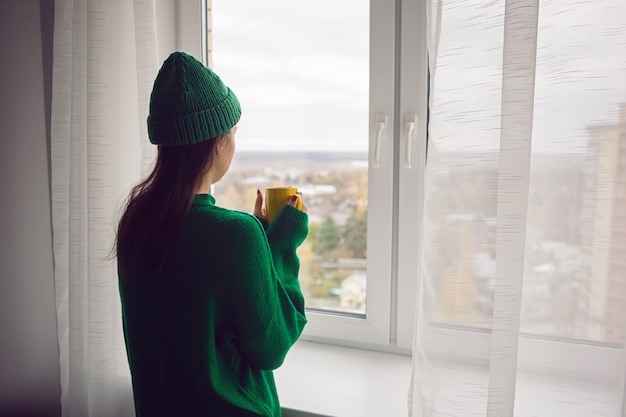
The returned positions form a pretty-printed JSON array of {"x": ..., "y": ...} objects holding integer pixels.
[
  {"x": 580, "y": 73},
  {"x": 301, "y": 72}
]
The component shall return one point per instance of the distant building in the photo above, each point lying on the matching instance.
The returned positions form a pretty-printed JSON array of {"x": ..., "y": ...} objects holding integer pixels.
[{"x": 601, "y": 287}]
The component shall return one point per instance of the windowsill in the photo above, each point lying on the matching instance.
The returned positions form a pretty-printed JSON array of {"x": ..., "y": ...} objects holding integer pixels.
[
  {"x": 333, "y": 381},
  {"x": 343, "y": 382}
]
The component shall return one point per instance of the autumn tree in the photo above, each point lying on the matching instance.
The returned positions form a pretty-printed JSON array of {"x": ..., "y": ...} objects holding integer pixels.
[
  {"x": 328, "y": 238},
  {"x": 355, "y": 235}
]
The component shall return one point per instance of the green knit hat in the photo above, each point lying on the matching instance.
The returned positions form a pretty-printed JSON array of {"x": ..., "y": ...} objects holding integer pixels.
[{"x": 189, "y": 103}]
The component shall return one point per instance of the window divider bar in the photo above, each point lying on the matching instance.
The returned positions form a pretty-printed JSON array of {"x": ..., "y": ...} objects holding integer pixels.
[{"x": 393, "y": 314}]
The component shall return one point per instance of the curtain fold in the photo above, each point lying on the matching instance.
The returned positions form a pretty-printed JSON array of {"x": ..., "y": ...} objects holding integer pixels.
[
  {"x": 519, "y": 52},
  {"x": 103, "y": 64},
  {"x": 522, "y": 283}
]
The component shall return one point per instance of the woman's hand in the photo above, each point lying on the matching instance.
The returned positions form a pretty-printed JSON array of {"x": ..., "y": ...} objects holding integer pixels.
[
  {"x": 259, "y": 210},
  {"x": 294, "y": 201}
]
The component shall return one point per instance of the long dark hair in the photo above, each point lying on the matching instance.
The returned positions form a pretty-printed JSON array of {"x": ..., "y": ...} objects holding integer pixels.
[{"x": 156, "y": 207}]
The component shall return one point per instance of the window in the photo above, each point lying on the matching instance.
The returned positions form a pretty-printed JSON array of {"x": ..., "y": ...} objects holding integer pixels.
[
  {"x": 573, "y": 297},
  {"x": 303, "y": 83},
  {"x": 371, "y": 136},
  {"x": 574, "y": 177},
  {"x": 317, "y": 87},
  {"x": 346, "y": 120}
]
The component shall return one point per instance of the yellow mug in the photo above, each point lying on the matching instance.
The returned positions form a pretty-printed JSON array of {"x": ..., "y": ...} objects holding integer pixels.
[{"x": 275, "y": 200}]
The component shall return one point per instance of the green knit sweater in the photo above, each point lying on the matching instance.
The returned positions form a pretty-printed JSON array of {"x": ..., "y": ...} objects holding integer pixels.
[{"x": 203, "y": 339}]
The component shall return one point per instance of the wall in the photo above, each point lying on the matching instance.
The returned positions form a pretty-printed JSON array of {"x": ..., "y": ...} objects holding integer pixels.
[
  {"x": 29, "y": 369},
  {"x": 29, "y": 366}
]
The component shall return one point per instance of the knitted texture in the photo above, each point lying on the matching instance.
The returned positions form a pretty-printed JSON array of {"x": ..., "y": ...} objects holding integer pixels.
[
  {"x": 203, "y": 339},
  {"x": 189, "y": 103}
]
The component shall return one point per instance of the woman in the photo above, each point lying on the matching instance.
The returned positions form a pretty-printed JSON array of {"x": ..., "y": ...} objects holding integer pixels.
[{"x": 210, "y": 299}]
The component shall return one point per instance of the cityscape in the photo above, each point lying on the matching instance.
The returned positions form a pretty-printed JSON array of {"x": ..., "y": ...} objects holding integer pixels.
[
  {"x": 575, "y": 252},
  {"x": 334, "y": 186}
]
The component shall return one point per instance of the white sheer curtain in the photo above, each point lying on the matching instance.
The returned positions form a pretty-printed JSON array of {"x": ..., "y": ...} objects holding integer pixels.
[
  {"x": 522, "y": 300},
  {"x": 105, "y": 60}
]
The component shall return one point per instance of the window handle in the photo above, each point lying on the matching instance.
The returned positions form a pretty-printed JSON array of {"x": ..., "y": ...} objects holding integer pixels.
[
  {"x": 381, "y": 130},
  {"x": 410, "y": 132}
]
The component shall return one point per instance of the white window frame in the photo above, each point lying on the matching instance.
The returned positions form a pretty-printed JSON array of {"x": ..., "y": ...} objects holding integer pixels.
[
  {"x": 395, "y": 184},
  {"x": 182, "y": 26},
  {"x": 375, "y": 327},
  {"x": 391, "y": 284},
  {"x": 412, "y": 163},
  {"x": 469, "y": 345}
]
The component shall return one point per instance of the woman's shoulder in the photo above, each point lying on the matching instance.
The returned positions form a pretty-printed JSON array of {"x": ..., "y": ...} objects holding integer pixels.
[
  {"x": 233, "y": 220},
  {"x": 240, "y": 219}
]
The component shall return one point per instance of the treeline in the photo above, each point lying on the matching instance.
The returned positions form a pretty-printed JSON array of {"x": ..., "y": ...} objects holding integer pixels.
[{"x": 329, "y": 241}]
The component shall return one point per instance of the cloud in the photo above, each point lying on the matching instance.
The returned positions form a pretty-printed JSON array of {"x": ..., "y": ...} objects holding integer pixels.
[
  {"x": 580, "y": 72},
  {"x": 309, "y": 65}
]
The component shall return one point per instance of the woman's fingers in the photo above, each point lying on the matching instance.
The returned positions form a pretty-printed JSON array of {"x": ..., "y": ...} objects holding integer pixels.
[
  {"x": 258, "y": 205},
  {"x": 294, "y": 201}
]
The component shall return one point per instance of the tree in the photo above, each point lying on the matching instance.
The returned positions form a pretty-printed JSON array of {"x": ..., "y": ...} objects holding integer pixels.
[
  {"x": 355, "y": 235},
  {"x": 328, "y": 238}
]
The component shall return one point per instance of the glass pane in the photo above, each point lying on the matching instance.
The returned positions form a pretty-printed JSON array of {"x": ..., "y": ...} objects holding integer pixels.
[
  {"x": 575, "y": 246},
  {"x": 574, "y": 272},
  {"x": 301, "y": 72}
]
